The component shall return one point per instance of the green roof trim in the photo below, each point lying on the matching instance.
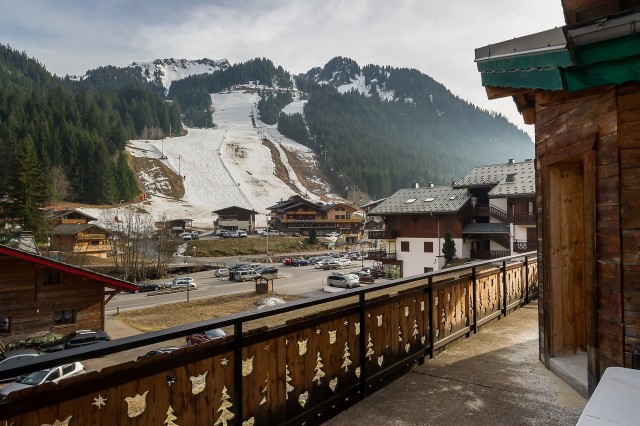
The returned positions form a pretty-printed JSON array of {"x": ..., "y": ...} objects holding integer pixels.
[
  {"x": 547, "y": 79},
  {"x": 605, "y": 73},
  {"x": 610, "y": 50},
  {"x": 555, "y": 58}
]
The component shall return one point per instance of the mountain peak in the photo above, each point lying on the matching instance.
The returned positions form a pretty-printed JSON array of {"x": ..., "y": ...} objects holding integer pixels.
[{"x": 165, "y": 71}]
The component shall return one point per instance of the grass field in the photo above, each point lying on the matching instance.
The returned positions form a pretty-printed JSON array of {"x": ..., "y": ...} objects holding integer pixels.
[{"x": 251, "y": 246}]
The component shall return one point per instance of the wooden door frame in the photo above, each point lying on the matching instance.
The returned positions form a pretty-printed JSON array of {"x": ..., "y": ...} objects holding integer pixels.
[{"x": 586, "y": 154}]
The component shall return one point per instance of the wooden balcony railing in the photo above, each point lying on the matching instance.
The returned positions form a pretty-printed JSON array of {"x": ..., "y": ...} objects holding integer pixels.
[
  {"x": 317, "y": 357},
  {"x": 522, "y": 219},
  {"x": 489, "y": 254},
  {"x": 381, "y": 255},
  {"x": 525, "y": 246},
  {"x": 382, "y": 235}
]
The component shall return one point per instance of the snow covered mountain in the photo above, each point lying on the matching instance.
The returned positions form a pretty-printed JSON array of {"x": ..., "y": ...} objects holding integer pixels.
[{"x": 163, "y": 72}]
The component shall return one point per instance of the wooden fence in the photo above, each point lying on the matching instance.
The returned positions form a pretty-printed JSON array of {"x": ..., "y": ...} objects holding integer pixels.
[{"x": 335, "y": 351}]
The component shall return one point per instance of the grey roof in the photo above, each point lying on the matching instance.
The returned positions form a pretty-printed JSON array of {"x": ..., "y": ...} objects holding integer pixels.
[
  {"x": 486, "y": 228},
  {"x": 71, "y": 229},
  {"x": 523, "y": 174},
  {"x": 62, "y": 213},
  {"x": 438, "y": 199}
]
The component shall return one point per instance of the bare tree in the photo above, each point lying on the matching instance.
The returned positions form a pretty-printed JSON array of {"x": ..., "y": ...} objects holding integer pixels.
[
  {"x": 59, "y": 184},
  {"x": 133, "y": 246}
]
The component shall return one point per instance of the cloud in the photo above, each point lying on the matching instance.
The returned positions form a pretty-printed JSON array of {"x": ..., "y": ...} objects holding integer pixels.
[{"x": 437, "y": 37}]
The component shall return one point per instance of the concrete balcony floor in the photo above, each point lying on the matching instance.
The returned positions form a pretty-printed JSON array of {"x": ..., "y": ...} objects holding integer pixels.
[{"x": 494, "y": 377}]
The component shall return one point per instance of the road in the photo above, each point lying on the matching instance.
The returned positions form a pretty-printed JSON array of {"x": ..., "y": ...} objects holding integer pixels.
[{"x": 305, "y": 281}]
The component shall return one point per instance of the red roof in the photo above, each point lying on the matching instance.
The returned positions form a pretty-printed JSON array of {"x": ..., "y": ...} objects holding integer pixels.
[{"x": 70, "y": 269}]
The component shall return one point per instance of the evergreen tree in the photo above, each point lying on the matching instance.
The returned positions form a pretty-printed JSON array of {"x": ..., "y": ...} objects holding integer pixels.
[
  {"x": 313, "y": 236},
  {"x": 27, "y": 190},
  {"x": 449, "y": 247}
]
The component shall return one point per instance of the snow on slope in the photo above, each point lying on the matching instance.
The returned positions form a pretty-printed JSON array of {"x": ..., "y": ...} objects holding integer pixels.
[
  {"x": 222, "y": 167},
  {"x": 166, "y": 71}
]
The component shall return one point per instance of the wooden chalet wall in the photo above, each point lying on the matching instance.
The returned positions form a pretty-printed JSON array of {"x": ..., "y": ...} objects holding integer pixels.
[
  {"x": 426, "y": 226},
  {"x": 579, "y": 11},
  {"x": 588, "y": 143},
  {"x": 30, "y": 304}
]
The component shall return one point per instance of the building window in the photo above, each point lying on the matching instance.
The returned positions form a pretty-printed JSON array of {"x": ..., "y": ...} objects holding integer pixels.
[
  {"x": 428, "y": 246},
  {"x": 428, "y": 270},
  {"x": 64, "y": 316},
  {"x": 50, "y": 277},
  {"x": 404, "y": 245},
  {"x": 530, "y": 207},
  {"x": 5, "y": 325}
]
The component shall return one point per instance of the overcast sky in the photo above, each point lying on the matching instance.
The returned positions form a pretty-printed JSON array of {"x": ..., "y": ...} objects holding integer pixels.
[{"x": 437, "y": 37}]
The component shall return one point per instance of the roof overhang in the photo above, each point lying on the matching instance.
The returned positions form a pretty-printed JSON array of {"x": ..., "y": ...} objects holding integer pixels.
[
  {"x": 108, "y": 281},
  {"x": 571, "y": 58}
]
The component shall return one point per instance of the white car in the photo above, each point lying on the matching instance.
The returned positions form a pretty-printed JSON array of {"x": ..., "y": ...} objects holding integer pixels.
[
  {"x": 333, "y": 234},
  {"x": 183, "y": 282},
  {"x": 54, "y": 374},
  {"x": 186, "y": 236}
]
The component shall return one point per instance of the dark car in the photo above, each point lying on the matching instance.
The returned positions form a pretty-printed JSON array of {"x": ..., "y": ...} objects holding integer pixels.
[
  {"x": 144, "y": 287},
  {"x": 299, "y": 262},
  {"x": 206, "y": 336},
  {"x": 159, "y": 351},
  {"x": 267, "y": 270},
  {"x": 75, "y": 340}
]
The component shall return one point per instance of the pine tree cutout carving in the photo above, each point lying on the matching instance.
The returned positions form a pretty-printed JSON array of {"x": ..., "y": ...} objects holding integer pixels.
[
  {"x": 345, "y": 356},
  {"x": 225, "y": 414},
  {"x": 319, "y": 373},
  {"x": 170, "y": 418},
  {"x": 287, "y": 378},
  {"x": 369, "y": 348}
]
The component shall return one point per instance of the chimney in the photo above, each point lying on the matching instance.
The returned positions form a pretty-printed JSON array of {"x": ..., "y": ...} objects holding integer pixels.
[
  {"x": 415, "y": 184},
  {"x": 430, "y": 184},
  {"x": 454, "y": 182},
  {"x": 511, "y": 161}
]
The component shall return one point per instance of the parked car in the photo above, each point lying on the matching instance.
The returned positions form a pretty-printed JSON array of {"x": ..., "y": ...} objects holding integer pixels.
[
  {"x": 185, "y": 236},
  {"x": 299, "y": 262},
  {"x": 144, "y": 287},
  {"x": 75, "y": 340},
  {"x": 339, "y": 279},
  {"x": 158, "y": 351},
  {"x": 195, "y": 235},
  {"x": 333, "y": 234},
  {"x": 225, "y": 234},
  {"x": 274, "y": 233},
  {"x": 10, "y": 358},
  {"x": 296, "y": 234},
  {"x": 222, "y": 272},
  {"x": 206, "y": 336},
  {"x": 245, "y": 275},
  {"x": 54, "y": 374},
  {"x": 241, "y": 233},
  {"x": 267, "y": 270},
  {"x": 183, "y": 282},
  {"x": 337, "y": 263}
]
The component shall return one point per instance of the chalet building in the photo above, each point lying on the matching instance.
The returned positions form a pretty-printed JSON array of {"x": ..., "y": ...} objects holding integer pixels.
[
  {"x": 39, "y": 295},
  {"x": 579, "y": 85},
  {"x": 416, "y": 221},
  {"x": 68, "y": 217},
  {"x": 234, "y": 218},
  {"x": 176, "y": 226},
  {"x": 300, "y": 215},
  {"x": 503, "y": 197},
  {"x": 86, "y": 239}
]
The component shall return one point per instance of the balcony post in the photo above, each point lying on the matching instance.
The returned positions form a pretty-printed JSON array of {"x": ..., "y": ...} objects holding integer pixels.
[
  {"x": 363, "y": 345},
  {"x": 237, "y": 371},
  {"x": 474, "y": 297},
  {"x": 526, "y": 279},
  {"x": 504, "y": 288},
  {"x": 430, "y": 317}
]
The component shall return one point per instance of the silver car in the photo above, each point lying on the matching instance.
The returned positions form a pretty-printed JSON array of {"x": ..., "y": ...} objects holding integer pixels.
[
  {"x": 339, "y": 279},
  {"x": 54, "y": 374},
  {"x": 10, "y": 358}
]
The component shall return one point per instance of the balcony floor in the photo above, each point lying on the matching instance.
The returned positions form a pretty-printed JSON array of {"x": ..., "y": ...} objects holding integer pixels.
[{"x": 494, "y": 377}]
